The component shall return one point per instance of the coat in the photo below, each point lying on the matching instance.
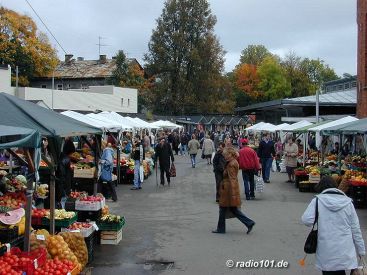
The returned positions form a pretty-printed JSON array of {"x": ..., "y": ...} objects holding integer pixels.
[
  {"x": 219, "y": 162},
  {"x": 339, "y": 234},
  {"x": 229, "y": 188},
  {"x": 290, "y": 155},
  {"x": 208, "y": 147},
  {"x": 193, "y": 146},
  {"x": 164, "y": 155}
]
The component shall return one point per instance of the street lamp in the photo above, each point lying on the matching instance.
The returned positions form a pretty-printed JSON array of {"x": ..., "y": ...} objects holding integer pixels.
[{"x": 53, "y": 87}]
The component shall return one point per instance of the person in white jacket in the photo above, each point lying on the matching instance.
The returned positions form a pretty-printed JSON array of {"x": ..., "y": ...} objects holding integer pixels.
[{"x": 339, "y": 239}]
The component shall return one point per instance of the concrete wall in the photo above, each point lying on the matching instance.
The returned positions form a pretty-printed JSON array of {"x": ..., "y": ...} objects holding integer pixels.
[
  {"x": 68, "y": 84},
  {"x": 5, "y": 79},
  {"x": 121, "y": 100}
]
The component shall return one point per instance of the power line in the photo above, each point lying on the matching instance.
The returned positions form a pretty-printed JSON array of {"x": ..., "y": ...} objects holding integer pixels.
[{"x": 46, "y": 26}]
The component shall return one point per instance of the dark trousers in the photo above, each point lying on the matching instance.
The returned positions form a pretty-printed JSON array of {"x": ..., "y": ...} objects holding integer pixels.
[
  {"x": 237, "y": 213},
  {"x": 110, "y": 190},
  {"x": 249, "y": 183},
  {"x": 218, "y": 180},
  {"x": 165, "y": 169}
]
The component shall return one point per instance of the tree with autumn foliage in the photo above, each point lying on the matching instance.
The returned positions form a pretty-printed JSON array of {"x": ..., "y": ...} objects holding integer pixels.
[
  {"x": 247, "y": 79},
  {"x": 22, "y": 45}
]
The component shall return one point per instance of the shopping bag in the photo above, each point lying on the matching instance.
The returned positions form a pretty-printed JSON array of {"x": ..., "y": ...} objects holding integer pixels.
[
  {"x": 172, "y": 171},
  {"x": 213, "y": 154},
  {"x": 141, "y": 173},
  {"x": 274, "y": 165},
  {"x": 259, "y": 184}
]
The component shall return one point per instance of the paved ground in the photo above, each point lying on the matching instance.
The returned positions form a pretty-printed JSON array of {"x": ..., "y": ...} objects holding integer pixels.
[{"x": 173, "y": 225}]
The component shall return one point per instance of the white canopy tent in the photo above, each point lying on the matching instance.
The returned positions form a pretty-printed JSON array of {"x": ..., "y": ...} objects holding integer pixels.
[
  {"x": 265, "y": 127},
  {"x": 166, "y": 124},
  {"x": 118, "y": 118},
  {"x": 280, "y": 127},
  {"x": 104, "y": 125},
  {"x": 109, "y": 121},
  {"x": 299, "y": 124},
  {"x": 318, "y": 128},
  {"x": 145, "y": 124},
  {"x": 255, "y": 126}
]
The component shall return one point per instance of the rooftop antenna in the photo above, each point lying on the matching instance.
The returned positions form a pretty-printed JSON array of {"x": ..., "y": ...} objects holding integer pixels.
[{"x": 100, "y": 45}]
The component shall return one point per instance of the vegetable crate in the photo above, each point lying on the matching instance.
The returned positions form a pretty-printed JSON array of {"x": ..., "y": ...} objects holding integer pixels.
[
  {"x": 61, "y": 223},
  {"x": 89, "y": 206},
  {"x": 314, "y": 179},
  {"x": 86, "y": 232},
  {"x": 306, "y": 187},
  {"x": 7, "y": 235},
  {"x": 359, "y": 196},
  {"x": 70, "y": 204},
  {"x": 111, "y": 237},
  {"x": 90, "y": 243},
  {"x": 112, "y": 226},
  {"x": 84, "y": 173},
  {"x": 36, "y": 220}
]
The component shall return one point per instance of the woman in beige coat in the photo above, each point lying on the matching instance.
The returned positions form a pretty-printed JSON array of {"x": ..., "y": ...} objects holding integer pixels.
[
  {"x": 290, "y": 158},
  {"x": 229, "y": 198},
  {"x": 208, "y": 149}
]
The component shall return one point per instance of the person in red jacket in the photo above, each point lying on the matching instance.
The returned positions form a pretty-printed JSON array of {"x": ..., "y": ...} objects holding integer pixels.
[{"x": 250, "y": 165}]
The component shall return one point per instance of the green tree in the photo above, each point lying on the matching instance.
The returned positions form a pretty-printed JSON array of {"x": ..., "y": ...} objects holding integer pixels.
[
  {"x": 254, "y": 54},
  {"x": 120, "y": 73},
  {"x": 22, "y": 45},
  {"x": 273, "y": 82},
  {"x": 186, "y": 59},
  {"x": 317, "y": 72}
]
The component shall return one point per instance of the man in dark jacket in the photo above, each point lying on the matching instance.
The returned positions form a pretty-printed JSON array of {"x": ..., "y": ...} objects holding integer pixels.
[
  {"x": 163, "y": 152},
  {"x": 183, "y": 140},
  {"x": 219, "y": 162},
  {"x": 266, "y": 153},
  {"x": 138, "y": 155}
]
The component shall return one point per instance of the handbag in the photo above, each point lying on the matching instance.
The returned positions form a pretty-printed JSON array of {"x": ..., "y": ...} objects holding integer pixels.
[
  {"x": 361, "y": 269},
  {"x": 172, "y": 171},
  {"x": 311, "y": 241}
]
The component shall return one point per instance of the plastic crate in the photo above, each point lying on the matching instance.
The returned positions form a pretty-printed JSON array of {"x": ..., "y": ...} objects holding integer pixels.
[
  {"x": 61, "y": 223},
  {"x": 39, "y": 258},
  {"x": 111, "y": 226},
  {"x": 8, "y": 235},
  {"x": 86, "y": 232},
  {"x": 90, "y": 242},
  {"x": 85, "y": 216},
  {"x": 36, "y": 220},
  {"x": 306, "y": 187},
  {"x": 89, "y": 206}
]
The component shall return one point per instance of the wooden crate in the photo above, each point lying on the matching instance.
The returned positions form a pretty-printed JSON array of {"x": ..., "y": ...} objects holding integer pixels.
[
  {"x": 84, "y": 173},
  {"x": 314, "y": 179},
  {"x": 111, "y": 237}
]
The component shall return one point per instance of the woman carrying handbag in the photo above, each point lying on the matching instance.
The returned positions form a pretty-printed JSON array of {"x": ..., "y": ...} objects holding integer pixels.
[{"x": 339, "y": 237}]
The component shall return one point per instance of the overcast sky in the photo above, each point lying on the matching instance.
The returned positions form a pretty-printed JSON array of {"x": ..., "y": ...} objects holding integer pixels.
[{"x": 324, "y": 29}]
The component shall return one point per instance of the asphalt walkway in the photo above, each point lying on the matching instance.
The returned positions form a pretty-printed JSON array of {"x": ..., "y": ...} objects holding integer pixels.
[{"x": 168, "y": 229}]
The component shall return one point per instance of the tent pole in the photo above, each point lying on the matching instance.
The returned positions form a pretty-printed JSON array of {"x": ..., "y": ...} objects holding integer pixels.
[
  {"x": 304, "y": 148},
  {"x": 29, "y": 196},
  {"x": 52, "y": 202},
  {"x": 340, "y": 154}
]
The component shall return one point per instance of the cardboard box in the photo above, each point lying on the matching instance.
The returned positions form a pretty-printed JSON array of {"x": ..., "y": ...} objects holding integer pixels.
[{"x": 84, "y": 173}]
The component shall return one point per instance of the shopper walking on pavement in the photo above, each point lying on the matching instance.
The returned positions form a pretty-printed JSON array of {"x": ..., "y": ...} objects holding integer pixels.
[
  {"x": 175, "y": 142},
  {"x": 339, "y": 237},
  {"x": 106, "y": 163},
  {"x": 290, "y": 158},
  {"x": 138, "y": 156},
  {"x": 183, "y": 141},
  {"x": 208, "y": 149},
  {"x": 194, "y": 147},
  {"x": 266, "y": 153},
  {"x": 219, "y": 162},
  {"x": 250, "y": 166},
  {"x": 229, "y": 195},
  {"x": 163, "y": 153}
]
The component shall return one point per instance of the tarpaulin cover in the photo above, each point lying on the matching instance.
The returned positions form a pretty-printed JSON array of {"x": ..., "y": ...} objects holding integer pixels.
[
  {"x": 19, "y": 137},
  {"x": 19, "y": 112}
]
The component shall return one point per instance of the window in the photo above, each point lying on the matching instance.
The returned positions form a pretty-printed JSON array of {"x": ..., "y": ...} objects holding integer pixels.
[
  {"x": 347, "y": 86},
  {"x": 69, "y": 86},
  {"x": 59, "y": 86},
  {"x": 128, "y": 102},
  {"x": 334, "y": 88},
  {"x": 84, "y": 86},
  {"x": 340, "y": 87},
  {"x": 354, "y": 84},
  {"x": 122, "y": 102},
  {"x": 43, "y": 86}
]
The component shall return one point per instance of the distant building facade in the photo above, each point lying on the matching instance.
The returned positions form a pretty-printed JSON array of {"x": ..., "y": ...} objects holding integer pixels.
[
  {"x": 78, "y": 73},
  {"x": 348, "y": 82}
]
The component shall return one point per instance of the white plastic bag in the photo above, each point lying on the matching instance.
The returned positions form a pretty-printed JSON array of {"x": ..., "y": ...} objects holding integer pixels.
[
  {"x": 274, "y": 166},
  {"x": 259, "y": 184},
  {"x": 141, "y": 173},
  {"x": 213, "y": 154}
]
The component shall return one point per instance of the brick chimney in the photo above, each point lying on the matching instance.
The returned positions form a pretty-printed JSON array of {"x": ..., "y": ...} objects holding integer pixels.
[
  {"x": 362, "y": 59},
  {"x": 102, "y": 58},
  {"x": 68, "y": 57}
]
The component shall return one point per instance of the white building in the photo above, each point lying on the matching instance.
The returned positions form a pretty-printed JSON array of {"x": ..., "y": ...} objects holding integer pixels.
[{"x": 104, "y": 98}]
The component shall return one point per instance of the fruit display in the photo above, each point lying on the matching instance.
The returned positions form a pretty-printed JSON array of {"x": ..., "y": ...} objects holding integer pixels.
[
  {"x": 42, "y": 190},
  {"x": 105, "y": 210},
  {"x": 75, "y": 156},
  {"x": 13, "y": 184},
  {"x": 110, "y": 218},
  {"x": 56, "y": 266},
  {"x": 76, "y": 195},
  {"x": 9, "y": 261},
  {"x": 77, "y": 245},
  {"x": 13, "y": 200},
  {"x": 43, "y": 163},
  {"x": 40, "y": 213},
  {"x": 62, "y": 214},
  {"x": 3, "y": 173},
  {"x": 59, "y": 249}
]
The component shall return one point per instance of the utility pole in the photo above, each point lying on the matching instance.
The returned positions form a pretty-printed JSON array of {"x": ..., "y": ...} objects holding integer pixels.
[
  {"x": 17, "y": 81},
  {"x": 318, "y": 106},
  {"x": 53, "y": 87},
  {"x": 100, "y": 45}
]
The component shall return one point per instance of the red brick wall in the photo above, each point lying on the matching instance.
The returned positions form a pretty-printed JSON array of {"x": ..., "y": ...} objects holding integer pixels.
[{"x": 362, "y": 59}]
